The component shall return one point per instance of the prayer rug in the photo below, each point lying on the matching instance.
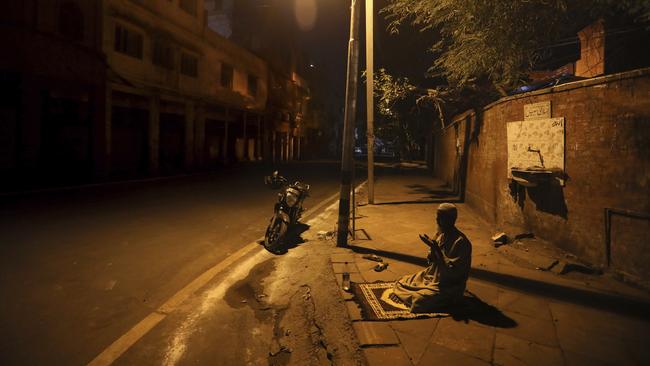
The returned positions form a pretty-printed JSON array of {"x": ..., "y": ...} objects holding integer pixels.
[{"x": 375, "y": 303}]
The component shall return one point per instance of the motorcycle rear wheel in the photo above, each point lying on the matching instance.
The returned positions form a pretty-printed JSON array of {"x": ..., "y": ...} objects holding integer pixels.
[{"x": 275, "y": 234}]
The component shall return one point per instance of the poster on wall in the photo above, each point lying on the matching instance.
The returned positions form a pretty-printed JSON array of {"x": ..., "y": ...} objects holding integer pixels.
[{"x": 536, "y": 144}]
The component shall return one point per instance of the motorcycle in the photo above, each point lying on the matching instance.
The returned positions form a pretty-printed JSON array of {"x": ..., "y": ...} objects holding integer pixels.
[{"x": 286, "y": 212}]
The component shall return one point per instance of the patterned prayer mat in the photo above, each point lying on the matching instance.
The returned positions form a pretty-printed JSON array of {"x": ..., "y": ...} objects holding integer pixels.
[{"x": 375, "y": 303}]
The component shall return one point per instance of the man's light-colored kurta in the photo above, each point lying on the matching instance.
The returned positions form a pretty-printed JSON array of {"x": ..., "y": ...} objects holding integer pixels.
[{"x": 438, "y": 285}]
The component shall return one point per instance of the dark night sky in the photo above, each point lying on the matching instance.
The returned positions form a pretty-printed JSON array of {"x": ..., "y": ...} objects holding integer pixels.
[
  {"x": 404, "y": 54},
  {"x": 325, "y": 45}
]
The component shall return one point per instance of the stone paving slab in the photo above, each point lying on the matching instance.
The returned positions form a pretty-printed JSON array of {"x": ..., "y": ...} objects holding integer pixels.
[
  {"x": 439, "y": 355},
  {"x": 603, "y": 348},
  {"x": 577, "y": 359},
  {"x": 525, "y": 304},
  {"x": 487, "y": 292},
  {"x": 367, "y": 265},
  {"x": 393, "y": 356},
  {"x": 531, "y": 329},
  {"x": 466, "y": 338},
  {"x": 599, "y": 321},
  {"x": 344, "y": 257},
  {"x": 414, "y": 335},
  {"x": 374, "y": 276},
  {"x": 375, "y": 333},
  {"x": 350, "y": 267},
  {"x": 515, "y": 351},
  {"x": 353, "y": 310}
]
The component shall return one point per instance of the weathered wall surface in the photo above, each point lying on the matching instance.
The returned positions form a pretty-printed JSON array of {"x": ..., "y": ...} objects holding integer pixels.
[
  {"x": 445, "y": 155},
  {"x": 449, "y": 149},
  {"x": 607, "y": 160}
]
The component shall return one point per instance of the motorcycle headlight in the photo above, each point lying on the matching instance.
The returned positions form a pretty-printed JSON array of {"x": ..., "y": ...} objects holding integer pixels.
[{"x": 292, "y": 198}]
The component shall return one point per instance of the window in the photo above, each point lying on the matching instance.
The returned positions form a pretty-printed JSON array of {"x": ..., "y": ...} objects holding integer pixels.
[
  {"x": 189, "y": 65},
  {"x": 163, "y": 55},
  {"x": 189, "y": 6},
  {"x": 71, "y": 21},
  {"x": 226, "y": 76},
  {"x": 128, "y": 42},
  {"x": 252, "y": 85}
]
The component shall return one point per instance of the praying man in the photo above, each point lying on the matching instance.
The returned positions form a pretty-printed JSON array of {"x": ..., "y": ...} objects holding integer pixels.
[{"x": 442, "y": 284}]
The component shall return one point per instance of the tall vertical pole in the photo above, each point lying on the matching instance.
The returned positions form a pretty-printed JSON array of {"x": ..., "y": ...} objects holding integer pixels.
[
  {"x": 154, "y": 134},
  {"x": 245, "y": 138},
  {"x": 353, "y": 195},
  {"x": 348, "y": 126},
  {"x": 370, "y": 105},
  {"x": 258, "y": 140},
  {"x": 225, "y": 138}
]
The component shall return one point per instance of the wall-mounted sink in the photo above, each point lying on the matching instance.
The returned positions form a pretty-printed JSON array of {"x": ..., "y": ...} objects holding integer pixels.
[{"x": 532, "y": 177}]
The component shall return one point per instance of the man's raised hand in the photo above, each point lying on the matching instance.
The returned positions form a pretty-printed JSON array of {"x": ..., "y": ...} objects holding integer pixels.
[{"x": 427, "y": 240}]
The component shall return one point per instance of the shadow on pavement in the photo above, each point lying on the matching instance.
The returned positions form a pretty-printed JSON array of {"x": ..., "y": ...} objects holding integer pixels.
[
  {"x": 425, "y": 189},
  {"x": 609, "y": 302},
  {"x": 399, "y": 191},
  {"x": 473, "y": 308},
  {"x": 293, "y": 238},
  {"x": 427, "y": 201},
  {"x": 392, "y": 255}
]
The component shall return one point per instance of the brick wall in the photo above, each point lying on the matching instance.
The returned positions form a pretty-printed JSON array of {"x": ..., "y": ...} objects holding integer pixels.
[
  {"x": 592, "y": 50},
  {"x": 607, "y": 157}
]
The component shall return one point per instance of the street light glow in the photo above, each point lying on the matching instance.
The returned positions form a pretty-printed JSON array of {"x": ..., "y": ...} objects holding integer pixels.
[{"x": 306, "y": 13}]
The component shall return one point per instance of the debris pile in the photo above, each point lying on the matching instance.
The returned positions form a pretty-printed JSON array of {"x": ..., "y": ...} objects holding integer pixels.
[
  {"x": 534, "y": 254},
  {"x": 325, "y": 235}
]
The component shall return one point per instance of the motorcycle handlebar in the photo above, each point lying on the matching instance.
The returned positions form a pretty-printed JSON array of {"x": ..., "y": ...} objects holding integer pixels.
[
  {"x": 304, "y": 187},
  {"x": 275, "y": 181}
]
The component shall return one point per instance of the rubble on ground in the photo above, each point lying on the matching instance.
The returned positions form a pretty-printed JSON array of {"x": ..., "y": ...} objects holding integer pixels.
[
  {"x": 325, "y": 235},
  {"x": 499, "y": 239}
]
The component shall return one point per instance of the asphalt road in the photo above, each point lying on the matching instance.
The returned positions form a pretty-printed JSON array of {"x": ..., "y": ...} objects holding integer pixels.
[{"x": 79, "y": 268}]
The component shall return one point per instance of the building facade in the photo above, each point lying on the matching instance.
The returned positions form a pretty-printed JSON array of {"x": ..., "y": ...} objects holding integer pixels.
[
  {"x": 265, "y": 28},
  {"x": 120, "y": 89},
  {"x": 182, "y": 97},
  {"x": 52, "y": 84}
]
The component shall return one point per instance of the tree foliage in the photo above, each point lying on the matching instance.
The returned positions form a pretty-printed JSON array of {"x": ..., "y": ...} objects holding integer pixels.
[
  {"x": 401, "y": 118},
  {"x": 498, "y": 41},
  {"x": 396, "y": 95},
  {"x": 483, "y": 49}
]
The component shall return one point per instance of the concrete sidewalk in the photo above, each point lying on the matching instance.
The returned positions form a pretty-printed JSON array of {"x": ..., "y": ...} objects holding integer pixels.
[{"x": 551, "y": 319}]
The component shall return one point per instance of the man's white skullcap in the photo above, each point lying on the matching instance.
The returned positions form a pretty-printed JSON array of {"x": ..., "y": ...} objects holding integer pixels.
[
  {"x": 448, "y": 210},
  {"x": 447, "y": 207}
]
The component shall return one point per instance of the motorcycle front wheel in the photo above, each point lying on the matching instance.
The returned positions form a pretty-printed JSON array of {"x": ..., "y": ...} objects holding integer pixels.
[{"x": 275, "y": 233}]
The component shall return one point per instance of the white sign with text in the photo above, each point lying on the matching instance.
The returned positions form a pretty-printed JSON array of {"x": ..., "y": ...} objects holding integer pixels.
[{"x": 541, "y": 110}]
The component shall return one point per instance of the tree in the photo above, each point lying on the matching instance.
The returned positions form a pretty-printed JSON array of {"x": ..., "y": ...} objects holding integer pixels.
[
  {"x": 481, "y": 49},
  {"x": 492, "y": 44},
  {"x": 404, "y": 112}
]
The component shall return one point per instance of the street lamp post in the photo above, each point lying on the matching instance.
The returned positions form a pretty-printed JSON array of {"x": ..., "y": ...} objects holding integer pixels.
[
  {"x": 347, "y": 164},
  {"x": 370, "y": 110}
]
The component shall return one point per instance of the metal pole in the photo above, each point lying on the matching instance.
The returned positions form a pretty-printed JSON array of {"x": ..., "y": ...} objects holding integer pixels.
[
  {"x": 245, "y": 138},
  {"x": 354, "y": 201},
  {"x": 225, "y": 138},
  {"x": 370, "y": 106},
  {"x": 348, "y": 126},
  {"x": 258, "y": 142}
]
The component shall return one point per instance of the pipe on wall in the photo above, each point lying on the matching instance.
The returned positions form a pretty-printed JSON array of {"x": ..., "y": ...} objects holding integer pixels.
[{"x": 609, "y": 212}]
